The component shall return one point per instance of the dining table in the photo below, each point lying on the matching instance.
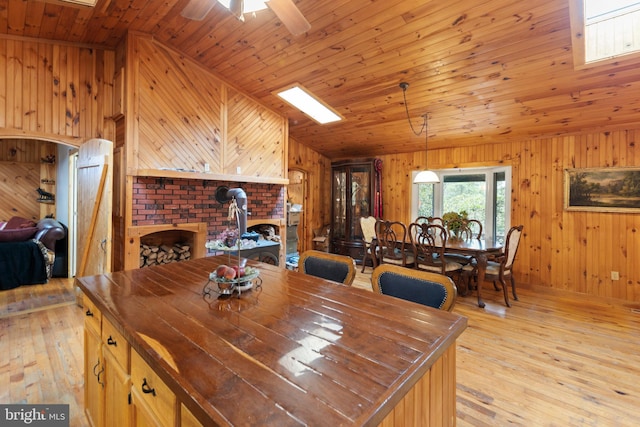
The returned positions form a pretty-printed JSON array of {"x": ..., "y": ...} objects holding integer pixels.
[
  {"x": 481, "y": 249},
  {"x": 290, "y": 349}
]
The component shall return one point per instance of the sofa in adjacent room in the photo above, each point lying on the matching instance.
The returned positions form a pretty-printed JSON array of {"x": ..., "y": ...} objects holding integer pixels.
[{"x": 27, "y": 251}]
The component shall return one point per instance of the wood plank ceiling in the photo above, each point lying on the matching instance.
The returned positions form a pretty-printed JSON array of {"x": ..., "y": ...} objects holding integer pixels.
[{"x": 485, "y": 71}]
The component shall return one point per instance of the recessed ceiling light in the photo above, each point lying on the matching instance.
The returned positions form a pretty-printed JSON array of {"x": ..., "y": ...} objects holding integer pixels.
[{"x": 302, "y": 99}]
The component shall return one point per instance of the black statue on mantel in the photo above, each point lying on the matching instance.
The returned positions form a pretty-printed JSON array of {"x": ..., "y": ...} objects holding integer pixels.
[{"x": 225, "y": 194}]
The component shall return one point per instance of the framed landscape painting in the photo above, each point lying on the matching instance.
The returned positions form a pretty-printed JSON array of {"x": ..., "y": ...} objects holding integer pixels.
[{"x": 602, "y": 189}]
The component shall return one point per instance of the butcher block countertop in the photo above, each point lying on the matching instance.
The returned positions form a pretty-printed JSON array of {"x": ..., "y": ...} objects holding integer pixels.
[{"x": 298, "y": 350}]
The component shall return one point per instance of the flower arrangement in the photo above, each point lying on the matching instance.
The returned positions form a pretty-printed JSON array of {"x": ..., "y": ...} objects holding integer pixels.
[
  {"x": 228, "y": 239},
  {"x": 229, "y": 236},
  {"x": 455, "y": 221}
]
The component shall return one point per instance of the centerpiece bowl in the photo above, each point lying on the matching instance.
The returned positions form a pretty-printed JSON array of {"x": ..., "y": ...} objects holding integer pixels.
[{"x": 244, "y": 279}]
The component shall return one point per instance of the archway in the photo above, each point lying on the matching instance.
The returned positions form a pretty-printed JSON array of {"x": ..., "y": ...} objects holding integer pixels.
[{"x": 34, "y": 183}]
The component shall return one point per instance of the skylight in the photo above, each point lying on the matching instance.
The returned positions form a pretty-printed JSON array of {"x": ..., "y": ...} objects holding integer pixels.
[
  {"x": 89, "y": 3},
  {"x": 604, "y": 29},
  {"x": 302, "y": 99},
  {"x": 599, "y": 9}
]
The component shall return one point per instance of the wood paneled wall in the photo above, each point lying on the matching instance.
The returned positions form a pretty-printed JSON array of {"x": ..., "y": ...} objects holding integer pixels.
[
  {"x": 181, "y": 117},
  {"x": 560, "y": 249},
  {"x": 21, "y": 172},
  {"x": 56, "y": 92}
]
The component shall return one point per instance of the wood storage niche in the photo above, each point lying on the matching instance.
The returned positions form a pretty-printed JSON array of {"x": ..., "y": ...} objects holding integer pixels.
[{"x": 168, "y": 243}]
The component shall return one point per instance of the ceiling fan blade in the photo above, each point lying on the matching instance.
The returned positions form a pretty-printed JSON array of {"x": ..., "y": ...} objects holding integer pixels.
[
  {"x": 236, "y": 7},
  {"x": 290, "y": 16},
  {"x": 197, "y": 9}
]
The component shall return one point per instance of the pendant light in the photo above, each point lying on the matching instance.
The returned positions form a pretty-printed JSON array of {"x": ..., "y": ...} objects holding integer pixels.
[{"x": 426, "y": 176}]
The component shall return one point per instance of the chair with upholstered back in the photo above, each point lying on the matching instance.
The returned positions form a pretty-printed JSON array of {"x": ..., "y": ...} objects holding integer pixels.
[
  {"x": 500, "y": 267},
  {"x": 392, "y": 243},
  {"x": 368, "y": 226},
  {"x": 429, "y": 241},
  {"x": 424, "y": 287},
  {"x": 338, "y": 268}
]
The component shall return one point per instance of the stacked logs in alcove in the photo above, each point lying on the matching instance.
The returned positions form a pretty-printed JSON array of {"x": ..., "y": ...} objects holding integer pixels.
[{"x": 163, "y": 254}]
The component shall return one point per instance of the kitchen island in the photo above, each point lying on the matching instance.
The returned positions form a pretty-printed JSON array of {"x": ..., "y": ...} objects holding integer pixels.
[{"x": 296, "y": 350}]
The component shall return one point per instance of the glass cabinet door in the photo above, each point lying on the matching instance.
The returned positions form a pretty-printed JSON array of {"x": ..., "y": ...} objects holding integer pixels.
[
  {"x": 339, "y": 226},
  {"x": 360, "y": 199}
]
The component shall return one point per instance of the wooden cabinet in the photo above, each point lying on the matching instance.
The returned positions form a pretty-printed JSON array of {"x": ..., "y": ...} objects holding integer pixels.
[
  {"x": 116, "y": 393},
  {"x": 154, "y": 404},
  {"x": 93, "y": 365},
  {"x": 106, "y": 371},
  {"x": 352, "y": 196},
  {"x": 93, "y": 378},
  {"x": 187, "y": 419},
  {"x": 115, "y": 352},
  {"x": 121, "y": 389}
]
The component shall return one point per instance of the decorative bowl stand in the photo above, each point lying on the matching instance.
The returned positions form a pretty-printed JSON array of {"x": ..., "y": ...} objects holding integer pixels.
[{"x": 222, "y": 286}]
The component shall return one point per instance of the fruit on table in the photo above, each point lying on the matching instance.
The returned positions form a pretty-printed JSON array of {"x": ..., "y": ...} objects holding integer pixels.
[
  {"x": 239, "y": 270},
  {"x": 220, "y": 270},
  {"x": 229, "y": 273},
  {"x": 232, "y": 272}
]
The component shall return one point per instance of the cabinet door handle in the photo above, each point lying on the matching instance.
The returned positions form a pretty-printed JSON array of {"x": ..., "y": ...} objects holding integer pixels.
[
  {"x": 146, "y": 389},
  {"x": 89, "y": 313},
  {"x": 99, "y": 373},
  {"x": 111, "y": 341},
  {"x": 94, "y": 368}
]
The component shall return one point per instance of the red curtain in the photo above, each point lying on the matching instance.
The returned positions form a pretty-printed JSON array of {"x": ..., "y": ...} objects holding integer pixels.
[{"x": 377, "y": 205}]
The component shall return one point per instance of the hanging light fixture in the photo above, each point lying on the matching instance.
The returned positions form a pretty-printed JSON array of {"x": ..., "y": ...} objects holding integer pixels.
[{"x": 426, "y": 176}]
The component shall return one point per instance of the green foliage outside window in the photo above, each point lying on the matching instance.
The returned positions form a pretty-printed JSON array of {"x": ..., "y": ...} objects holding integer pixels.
[
  {"x": 465, "y": 196},
  {"x": 425, "y": 200}
]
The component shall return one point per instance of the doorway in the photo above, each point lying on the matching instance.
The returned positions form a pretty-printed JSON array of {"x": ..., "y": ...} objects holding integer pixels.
[
  {"x": 73, "y": 211},
  {"x": 297, "y": 202}
]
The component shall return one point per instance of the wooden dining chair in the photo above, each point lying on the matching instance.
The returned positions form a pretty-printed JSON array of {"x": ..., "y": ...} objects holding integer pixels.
[
  {"x": 338, "y": 268},
  {"x": 392, "y": 243},
  {"x": 424, "y": 287},
  {"x": 429, "y": 220},
  {"x": 499, "y": 268},
  {"x": 368, "y": 226},
  {"x": 429, "y": 242},
  {"x": 474, "y": 228}
]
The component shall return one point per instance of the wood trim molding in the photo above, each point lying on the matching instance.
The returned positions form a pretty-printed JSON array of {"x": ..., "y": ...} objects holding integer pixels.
[
  {"x": 10, "y": 133},
  {"x": 166, "y": 173}
]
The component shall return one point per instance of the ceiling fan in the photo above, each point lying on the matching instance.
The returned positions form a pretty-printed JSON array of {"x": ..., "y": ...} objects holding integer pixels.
[{"x": 285, "y": 10}]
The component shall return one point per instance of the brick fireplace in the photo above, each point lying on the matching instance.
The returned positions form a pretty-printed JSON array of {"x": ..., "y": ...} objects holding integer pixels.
[{"x": 170, "y": 204}]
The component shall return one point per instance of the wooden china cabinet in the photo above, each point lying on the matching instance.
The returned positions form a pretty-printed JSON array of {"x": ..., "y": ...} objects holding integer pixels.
[{"x": 353, "y": 195}]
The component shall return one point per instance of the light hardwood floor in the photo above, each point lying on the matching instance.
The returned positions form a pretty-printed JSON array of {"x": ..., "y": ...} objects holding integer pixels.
[{"x": 552, "y": 359}]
